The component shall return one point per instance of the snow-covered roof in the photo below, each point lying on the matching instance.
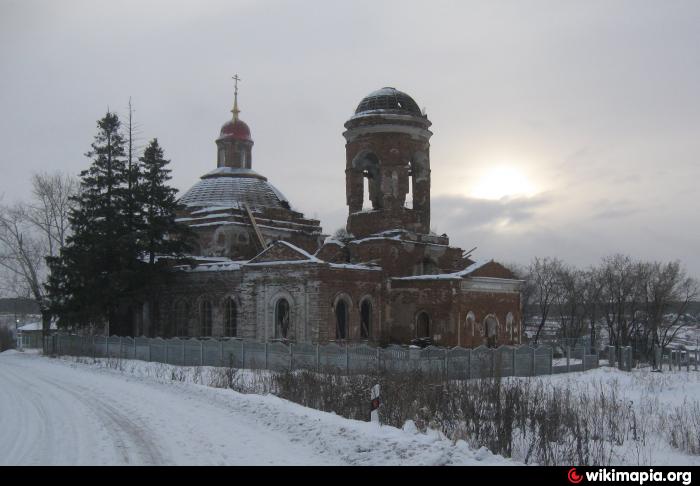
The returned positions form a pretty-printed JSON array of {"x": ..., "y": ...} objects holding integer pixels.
[
  {"x": 212, "y": 267},
  {"x": 228, "y": 189},
  {"x": 35, "y": 326},
  {"x": 447, "y": 276}
]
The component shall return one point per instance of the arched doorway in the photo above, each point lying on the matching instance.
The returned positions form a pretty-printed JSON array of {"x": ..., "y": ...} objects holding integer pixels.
[
  {"x": 365, "y": 319},
  {"x": 423, "y": 325},
  {"x": 282, "y": 319},
  {"x": 341, "y": 320},
  {"x": 491, "y": 328}
]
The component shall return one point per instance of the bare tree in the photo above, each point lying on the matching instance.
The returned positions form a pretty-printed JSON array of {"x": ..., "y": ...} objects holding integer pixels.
[
  {"x": 569, "y": 302},
  {"x": 50, "y": 206},
  {"x": 31, "y": 232},
  {"x": 543, "y": 286},
  {"x": 668, "y": 294}
]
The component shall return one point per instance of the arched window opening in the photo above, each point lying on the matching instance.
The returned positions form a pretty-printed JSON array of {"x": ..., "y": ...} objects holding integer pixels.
[
  {"x": 368, "y": 165},
  {"x": 409, "y": 196},
  {"x": 205, "y": 318},
  {"x": 366, "y": 202},
  {"x": 230, "y": 318},
  {"x": 491, "y": 325},
  {"x": 471, "y": 323},
  {"x": 509, "y": 325},
  {"x": 282, "y": 319},
  {"x": 181, "y": 312},
  {"x": 365, "y": 319},
  {"x": 423, "y": 325},
  {"x": 341, "y": 320}
]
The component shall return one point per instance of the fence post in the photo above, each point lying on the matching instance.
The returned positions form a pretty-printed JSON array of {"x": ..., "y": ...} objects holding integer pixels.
[
  {"x": 242, "y": 353},
  {"x": 318, "y": 359},
  {"x": 469, "y": 364},
  {"x": 696, "y": 357},
  {"x": 568, "y": 359},
  {"x": 266, "y": 362},
  {"x": 551, "y": 359},
  {"x": 166, "y": 350},
  {"x": 533, "y": 368},
  {"x": 149, "y": 350},
  {"x": 291, "y": 356},
  {"x": 107, "y": 346},
  {"x": 493, "y": 362},
  {"x": 184, "y": 362},
  {"x": 513, "y": 360},
  {"x": 447, "y": 370},
  {"x": 347, "y": 359},
  {"x": 121, "y": 347},
  {"x": 221, "y": 353},
  {"x": 201, "y": 353},
  {"x": 687, "y": 361},
  {"x": 379, "y": 365}
]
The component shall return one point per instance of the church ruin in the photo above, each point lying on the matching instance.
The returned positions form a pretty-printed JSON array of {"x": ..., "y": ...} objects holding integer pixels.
[{"x": 262, "y": 271}]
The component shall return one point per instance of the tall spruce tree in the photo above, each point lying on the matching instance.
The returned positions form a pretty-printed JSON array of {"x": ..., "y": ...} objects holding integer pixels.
[
  {"x": 97, "y": 266},
  {"x": 161, "y": 234}
]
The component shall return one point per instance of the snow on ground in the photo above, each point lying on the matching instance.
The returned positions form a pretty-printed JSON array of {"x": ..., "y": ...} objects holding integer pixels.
[
  {"x": 59, "y": 412},
  {"x": 650, "y": 394}
]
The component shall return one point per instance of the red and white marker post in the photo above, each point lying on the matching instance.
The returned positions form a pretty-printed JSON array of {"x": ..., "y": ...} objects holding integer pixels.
[{"x": 375, "y": 403}]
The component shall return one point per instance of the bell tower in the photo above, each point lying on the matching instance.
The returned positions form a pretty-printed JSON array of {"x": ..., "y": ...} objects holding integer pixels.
[{"x": 388, "y": 146}]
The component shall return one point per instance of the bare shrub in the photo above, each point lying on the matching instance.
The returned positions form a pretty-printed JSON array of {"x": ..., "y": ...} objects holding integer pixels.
[{"x": 683, "y": 427}]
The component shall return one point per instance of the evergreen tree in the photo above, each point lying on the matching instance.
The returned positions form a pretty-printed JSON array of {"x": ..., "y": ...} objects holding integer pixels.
[
  {"x": 96, "y": 266},
  {"x": 161, "y": 234},
  {"x": 125, "y": 216}
]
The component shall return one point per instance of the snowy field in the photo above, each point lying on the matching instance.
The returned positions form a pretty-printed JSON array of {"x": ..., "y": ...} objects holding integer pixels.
[
  {"x": 59, "y": 412},
  {"x": 68, "y": 411}
]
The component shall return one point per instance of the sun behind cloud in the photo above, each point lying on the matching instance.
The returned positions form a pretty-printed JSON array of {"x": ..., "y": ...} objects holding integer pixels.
[{"x": 502, "y": 181}]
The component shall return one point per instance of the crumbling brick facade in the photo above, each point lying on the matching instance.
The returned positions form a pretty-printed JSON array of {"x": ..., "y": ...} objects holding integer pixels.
[{"x": 264, "y": 272}]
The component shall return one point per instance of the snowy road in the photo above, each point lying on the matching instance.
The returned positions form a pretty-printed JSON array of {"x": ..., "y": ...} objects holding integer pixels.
[{"x": 57, "y": 412}]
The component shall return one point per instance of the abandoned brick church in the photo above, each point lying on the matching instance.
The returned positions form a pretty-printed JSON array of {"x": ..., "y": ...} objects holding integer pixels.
[{"x": 264, "y": 272}]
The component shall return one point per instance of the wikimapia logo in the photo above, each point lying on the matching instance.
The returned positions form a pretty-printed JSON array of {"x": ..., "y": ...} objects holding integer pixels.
[{"x": 638, "y": 477}]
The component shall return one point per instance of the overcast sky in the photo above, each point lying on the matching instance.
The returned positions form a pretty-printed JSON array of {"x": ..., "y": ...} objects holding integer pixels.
[{"x": 582, "y": 117}]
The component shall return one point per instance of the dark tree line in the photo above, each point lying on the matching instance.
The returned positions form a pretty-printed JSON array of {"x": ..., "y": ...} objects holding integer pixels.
[
  {"x": 637, "y": 303},
  {"x": 122, "y": 218}
]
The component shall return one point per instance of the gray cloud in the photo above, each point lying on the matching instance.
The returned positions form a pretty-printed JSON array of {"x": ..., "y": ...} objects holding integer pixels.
[
  {"x": 459, "y": 212},
  {"x": 596, "y": 100}
]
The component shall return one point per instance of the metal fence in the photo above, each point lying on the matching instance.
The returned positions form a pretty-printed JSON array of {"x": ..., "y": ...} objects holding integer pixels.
[
  {"x": 454, "y": 363},
  {"x": 676, "y": 359}
]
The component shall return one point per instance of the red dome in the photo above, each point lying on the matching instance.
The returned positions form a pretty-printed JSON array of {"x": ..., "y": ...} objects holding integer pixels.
[{"x": 236, "y": 130}]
